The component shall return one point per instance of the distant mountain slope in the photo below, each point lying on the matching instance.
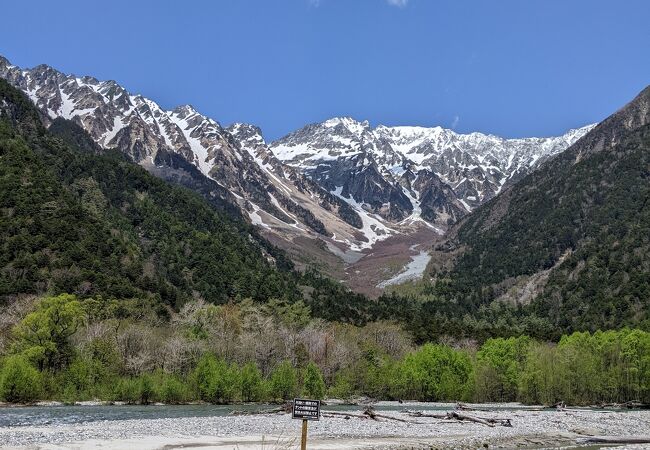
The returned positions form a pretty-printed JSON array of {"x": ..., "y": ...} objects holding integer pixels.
[
  {"x": 572, "y": 238},
  {"x": 188, "y": 148},
  {"x": 351, "y": 187},
  {"x": 419, "y": 172},
  {"x": 76, "y": 221}
]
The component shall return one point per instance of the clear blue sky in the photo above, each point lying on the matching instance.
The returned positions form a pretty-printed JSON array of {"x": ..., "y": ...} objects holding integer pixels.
[{"x": 509, "y": 67}]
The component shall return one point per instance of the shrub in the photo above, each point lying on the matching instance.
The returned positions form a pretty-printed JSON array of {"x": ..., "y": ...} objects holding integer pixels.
[
  {"x": 314, "y": 386},
  {"x": 343, "y": 386},
  {"x": 217, "y": 382},
  {"x": 173, "y": 391},
  {"x": 20, "y": 382},
  {"x": 127, "y": 390},
  {"x": 433, "y": 373},
  {"x": 146, "y": 389},
  {"x": 251, "y": 383},
  {"x": 283, "y": 382}
]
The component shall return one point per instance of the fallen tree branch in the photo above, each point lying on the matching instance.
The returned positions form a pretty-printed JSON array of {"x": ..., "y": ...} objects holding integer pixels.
[
  {"x": 370, "y": 412},
  {"x": 465, "y": 407},
  {"x": 423, "y": 414},
  {"x": 243, "y": 412},
  {"x": 345, "y": 415},
  {"x": 631, "y": 404},
  {"x": 617, "y": 440},
  {"x": 455, "y": 415}
]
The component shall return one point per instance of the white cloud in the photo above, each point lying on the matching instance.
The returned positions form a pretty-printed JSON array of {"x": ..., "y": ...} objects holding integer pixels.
[
  {"x": 398, "y": 3},
  {"x": 454, "y": 123},
  {"x": 314, "y": 3}
]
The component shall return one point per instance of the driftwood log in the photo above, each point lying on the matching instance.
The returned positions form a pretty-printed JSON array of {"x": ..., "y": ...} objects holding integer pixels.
[
  {"x": 284, "y": 408},
  {"x": 345, "y": 415},
  {"x": 632, "y": 404},
  {"x": 466, "y": 407},
  {"x": 455, "y": 415},
  {"x": 368, "y": 413},
  {"x": 423, "y": 414},
  {"x": 616, "y": 440}
]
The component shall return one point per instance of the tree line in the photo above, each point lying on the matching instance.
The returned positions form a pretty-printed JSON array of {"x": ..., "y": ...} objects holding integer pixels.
[{"x": 68, "y": 349}]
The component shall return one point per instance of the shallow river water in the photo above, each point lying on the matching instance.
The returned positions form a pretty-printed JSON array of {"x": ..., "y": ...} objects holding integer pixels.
[{"x": 52, "y": 415}]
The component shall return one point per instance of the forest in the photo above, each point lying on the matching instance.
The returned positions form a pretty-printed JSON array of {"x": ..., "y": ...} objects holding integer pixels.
[
  {"x": 119, "y": 286},
  {"x": 581, "y": 222},
  {"x": 67, "y": 349}
]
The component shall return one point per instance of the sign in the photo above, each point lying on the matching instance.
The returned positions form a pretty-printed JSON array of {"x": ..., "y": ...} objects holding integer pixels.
[{"x": 306, "y": 409}]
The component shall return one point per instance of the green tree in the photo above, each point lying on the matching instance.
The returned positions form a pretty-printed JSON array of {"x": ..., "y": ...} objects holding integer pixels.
[
  {"x": 173, "y": 391},
  {"x": 284, "y": 382},
  {"x": 294, "y": 315},
  {"x": 499, "y": 363},
  {"x": 216, "y": 380},
  {"x": 579, "y": 359},
  {"x": 251, "y": 382},
  {"x": 541, "y": 380},
  {"x": 127, "y": 390},
  {"x": 146, "y": 389},
  {"x": 20, "y": 382},
  {"x": 433, "y": 373},
  {"x": 43, "y": 335},
  {"x": 313, "y": 386}
]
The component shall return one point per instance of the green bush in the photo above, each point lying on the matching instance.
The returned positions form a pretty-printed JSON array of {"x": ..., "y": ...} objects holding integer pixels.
[
  {"x": 217, "y": 382},
  {"x": 284, "y": 383},
  {"x": 343, "y": 386},
  {"x": 313, "y": 386},
  {"x": 147, "y": 392},
  {"x": 251, "y": 383},
  {"x": 20, "y": 382},
  {"x": 173, "y": 391},
  {"x": 127, "y": 390},
  {"x": 433, "y": 373}
]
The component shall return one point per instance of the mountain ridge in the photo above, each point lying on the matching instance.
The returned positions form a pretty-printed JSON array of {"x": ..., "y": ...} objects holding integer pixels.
[
  {"x": 570, "y": 240},
  {"x": 342, "y": 208}
]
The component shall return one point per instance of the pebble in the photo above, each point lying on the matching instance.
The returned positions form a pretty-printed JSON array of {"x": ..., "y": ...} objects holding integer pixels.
[{"x": 529, "y": 428}]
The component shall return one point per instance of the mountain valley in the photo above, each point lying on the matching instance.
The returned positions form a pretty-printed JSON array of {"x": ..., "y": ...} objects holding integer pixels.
[{"x": 332, "y": 194}]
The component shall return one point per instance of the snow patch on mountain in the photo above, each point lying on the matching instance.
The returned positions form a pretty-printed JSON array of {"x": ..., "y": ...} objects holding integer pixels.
[
  {"x": 475, "y": 166},
  {"x": 373, "y": 228},
  {"x": 412, "y": 271}
]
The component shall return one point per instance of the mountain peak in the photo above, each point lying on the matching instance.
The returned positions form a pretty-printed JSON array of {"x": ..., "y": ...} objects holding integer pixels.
[
  {"x": 185, "y": 110},
  {"x": 238, "y": 127},
  {"x": 4, "y": 62},
  {"x": 349, "y": 123},
  {"x": 340, "y": 156}
]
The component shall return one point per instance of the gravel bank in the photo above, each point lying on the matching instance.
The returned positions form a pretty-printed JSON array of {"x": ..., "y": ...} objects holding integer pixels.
[{"x": 536, "y": 429}]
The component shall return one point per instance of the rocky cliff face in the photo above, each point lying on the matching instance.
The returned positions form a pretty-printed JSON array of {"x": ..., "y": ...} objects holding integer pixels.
[
  {"x": 180, "y": 145},
  {"x": 340, "y": 181},
  {"x": 467, "y": 170}
]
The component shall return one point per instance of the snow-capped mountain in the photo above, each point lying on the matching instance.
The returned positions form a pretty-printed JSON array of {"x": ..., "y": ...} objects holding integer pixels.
[
  {"x": 231, "y": 164},
  {"x": 444, "y": 173},
  {"x": 341, "y": 184}
]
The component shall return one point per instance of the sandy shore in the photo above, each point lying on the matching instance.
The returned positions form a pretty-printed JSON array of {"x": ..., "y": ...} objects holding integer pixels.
[{"x": 533, "y": 429}]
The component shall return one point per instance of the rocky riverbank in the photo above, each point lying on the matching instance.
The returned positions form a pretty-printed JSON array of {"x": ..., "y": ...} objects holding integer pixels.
[{"x": 535, "y": 429}]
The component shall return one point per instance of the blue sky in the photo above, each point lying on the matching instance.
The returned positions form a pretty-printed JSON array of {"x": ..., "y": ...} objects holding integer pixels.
[{"x": 509, "y": 67}]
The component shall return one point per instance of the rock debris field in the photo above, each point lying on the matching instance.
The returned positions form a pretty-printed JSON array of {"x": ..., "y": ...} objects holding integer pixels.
[{"x": 533, "y": 429}]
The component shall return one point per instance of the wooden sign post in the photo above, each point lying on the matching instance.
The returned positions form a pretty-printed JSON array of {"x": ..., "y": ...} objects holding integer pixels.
[{"x": 305, "y": 410}]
